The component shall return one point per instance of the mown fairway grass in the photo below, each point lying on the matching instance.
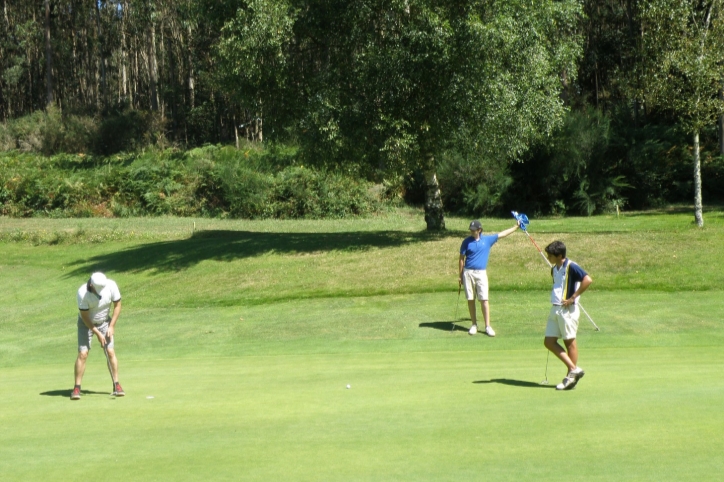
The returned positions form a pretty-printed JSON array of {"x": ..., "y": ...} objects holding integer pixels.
[{"x": 246, "y": 334}]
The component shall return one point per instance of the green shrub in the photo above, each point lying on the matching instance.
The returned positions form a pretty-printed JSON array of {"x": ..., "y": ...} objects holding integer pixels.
[
  {"x": 577, "y": 171},
  {"x": 54, "y": 132},
  {"x": 7, "y": 140},
  {"x": 208, "y": 181},
  {"x": 50, "y": 132},
  {"x": 471, "y": 184},
  {"x": 127, "y": 130},
  {"x": 305, "y": 193}
]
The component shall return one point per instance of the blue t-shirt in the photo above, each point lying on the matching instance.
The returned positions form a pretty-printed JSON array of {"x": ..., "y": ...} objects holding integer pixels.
[{"x": 476, "y": 252}]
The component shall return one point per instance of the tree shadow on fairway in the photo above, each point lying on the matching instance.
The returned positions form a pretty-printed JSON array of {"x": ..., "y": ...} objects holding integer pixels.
[
  {"x": 515, "y": 383},
  {"x": 223, "y": 245},
  {"x": 66, "y": 393},
  {"x": 443, "y": 326}
]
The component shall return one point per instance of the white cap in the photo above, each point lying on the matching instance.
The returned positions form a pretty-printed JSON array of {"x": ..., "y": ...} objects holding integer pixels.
[{"x": 98, "y": 281}]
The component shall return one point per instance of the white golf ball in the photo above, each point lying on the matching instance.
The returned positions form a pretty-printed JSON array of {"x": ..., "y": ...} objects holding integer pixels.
[{"x": 349, "y": 386}]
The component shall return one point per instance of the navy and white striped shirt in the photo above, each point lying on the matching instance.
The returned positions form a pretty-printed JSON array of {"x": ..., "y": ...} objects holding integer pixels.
[{"x": 566, "y": 281}]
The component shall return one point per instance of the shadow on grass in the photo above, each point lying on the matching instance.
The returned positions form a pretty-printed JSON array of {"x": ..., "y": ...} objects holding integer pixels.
[
  {"x": 222, "y": 245},
  {"x": 66, "y": 393},
  {"x": 443, "y": 326},
  {"x": 515, "y": 383}
]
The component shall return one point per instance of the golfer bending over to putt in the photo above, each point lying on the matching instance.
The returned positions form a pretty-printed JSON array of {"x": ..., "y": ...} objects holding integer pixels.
[
  {"x": 94, "y": 303},
  {"x": 472, "y": 266},
  {"x": 569, "y": 282}
]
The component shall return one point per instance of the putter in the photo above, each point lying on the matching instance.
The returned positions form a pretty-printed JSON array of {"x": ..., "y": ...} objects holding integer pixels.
[
  {"x": 456, "y": 308},
  {"x": 545, "y": 382},
  {"x": 523, "y": 220},
  {"x": 108, "y": 362}
]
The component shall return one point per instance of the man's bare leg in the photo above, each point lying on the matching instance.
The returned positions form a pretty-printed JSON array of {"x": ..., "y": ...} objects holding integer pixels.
[
  {"x": 471, "y": 309},
  {"x": 80, "y": 366},
  {"x": 551, "y": 343},
  {"x": 485, "y": 308},
  {"x": 113, "y": 363}
]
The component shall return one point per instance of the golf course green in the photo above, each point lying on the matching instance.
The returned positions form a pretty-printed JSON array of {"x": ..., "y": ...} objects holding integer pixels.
[{"x": 238, "y": 340}]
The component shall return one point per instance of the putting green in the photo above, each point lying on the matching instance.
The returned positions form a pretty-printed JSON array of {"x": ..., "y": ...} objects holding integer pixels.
[{"x": 424, "y": 404}]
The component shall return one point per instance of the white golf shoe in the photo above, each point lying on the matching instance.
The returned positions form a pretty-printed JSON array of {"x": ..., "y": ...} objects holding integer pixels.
[
  {"x": 571, "y": 380},
  {"x": 577, "y": 373},
  {"x": 567, "y": 383},
  {"x": 473, "y": 329},
  {"x": 489, "y": 331}
]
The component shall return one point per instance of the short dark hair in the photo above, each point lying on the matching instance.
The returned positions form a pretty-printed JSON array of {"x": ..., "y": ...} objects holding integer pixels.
[{"x": 556, "y": 248}]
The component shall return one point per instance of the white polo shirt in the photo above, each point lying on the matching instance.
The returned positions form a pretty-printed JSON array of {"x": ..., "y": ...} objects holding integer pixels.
[
  {"x": 98, "y": 307},
  {"x": 559, "y": 279}
]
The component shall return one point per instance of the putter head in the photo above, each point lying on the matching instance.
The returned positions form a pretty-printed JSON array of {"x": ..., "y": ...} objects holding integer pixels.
[{"x": 544, "y": 382}]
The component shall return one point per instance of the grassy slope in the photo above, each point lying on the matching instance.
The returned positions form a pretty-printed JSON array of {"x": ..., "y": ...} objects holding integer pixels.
[{"x": 246, "y": 338}]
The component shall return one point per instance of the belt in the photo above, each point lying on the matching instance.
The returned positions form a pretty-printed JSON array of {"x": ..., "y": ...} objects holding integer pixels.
[{"x": 101, "y": 323}]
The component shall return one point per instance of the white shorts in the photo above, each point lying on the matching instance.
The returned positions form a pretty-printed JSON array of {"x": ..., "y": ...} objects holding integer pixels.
[
  {"x": 563, "y": 322},
  {"x": 476, "y": 283}
]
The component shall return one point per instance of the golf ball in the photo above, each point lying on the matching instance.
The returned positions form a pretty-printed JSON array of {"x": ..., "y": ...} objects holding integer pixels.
[{"x": 349, "y": 386}]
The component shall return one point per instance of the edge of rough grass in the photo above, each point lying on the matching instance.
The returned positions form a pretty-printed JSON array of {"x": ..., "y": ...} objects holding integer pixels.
[{"x": 259, "y": 262}]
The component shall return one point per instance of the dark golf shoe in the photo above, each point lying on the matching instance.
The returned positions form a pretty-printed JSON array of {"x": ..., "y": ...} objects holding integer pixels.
[{"x": 118, "y": 390}]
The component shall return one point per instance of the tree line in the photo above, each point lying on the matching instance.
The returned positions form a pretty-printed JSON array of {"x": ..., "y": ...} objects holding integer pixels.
[{"x": 495, "y": 100}]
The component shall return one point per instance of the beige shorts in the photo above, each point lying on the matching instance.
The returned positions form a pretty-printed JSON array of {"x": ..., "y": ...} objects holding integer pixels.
[
  {"x": 85, "y": 336},
  {"x": 563, "y": 322},
  {"x": 476, "y": 284}
]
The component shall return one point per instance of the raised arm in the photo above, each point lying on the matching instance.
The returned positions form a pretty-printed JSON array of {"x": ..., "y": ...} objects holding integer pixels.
[{"x": 508, "y": 231}]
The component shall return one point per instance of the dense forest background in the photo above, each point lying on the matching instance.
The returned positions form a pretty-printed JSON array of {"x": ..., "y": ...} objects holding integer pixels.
[{"x": 553, "y": 107}]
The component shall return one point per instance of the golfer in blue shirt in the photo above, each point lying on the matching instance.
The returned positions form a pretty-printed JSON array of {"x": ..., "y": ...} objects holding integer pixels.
[{"x": 473, "y": 262}]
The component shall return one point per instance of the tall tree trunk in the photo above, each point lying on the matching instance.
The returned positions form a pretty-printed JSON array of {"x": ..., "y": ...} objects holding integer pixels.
[
  {"x": 596, "y": 78},
  {"x": 160, "y": 72},
  {"x": 48, "y": 57},
  {"x": 7, "y": 102},
  {"x": 434, "y": 216},
  {"x": 721, "y": 125},
  {"x": 152, "y": 68},
  {"x": 192, "y": 93},
  {"x": 236, "y": 132},
  {"x": 101, "y": 57},
  {"x": 124, "y": 53},
  {"x": 136, "y": 74},
  {"x": 31, "y": 62},
  {"x": 74, "y": 64},
  {"x": 698, "y": 216},
  {"x": 258, "y": 131}
]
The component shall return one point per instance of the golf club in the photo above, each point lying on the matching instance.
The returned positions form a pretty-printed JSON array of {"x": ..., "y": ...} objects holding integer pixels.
[
  {"x": 545, "y": 382},
  {"x": 460, "y": 285},
  {"x": 108, "y": 361},
  {"x": 523, "y": 220}
]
